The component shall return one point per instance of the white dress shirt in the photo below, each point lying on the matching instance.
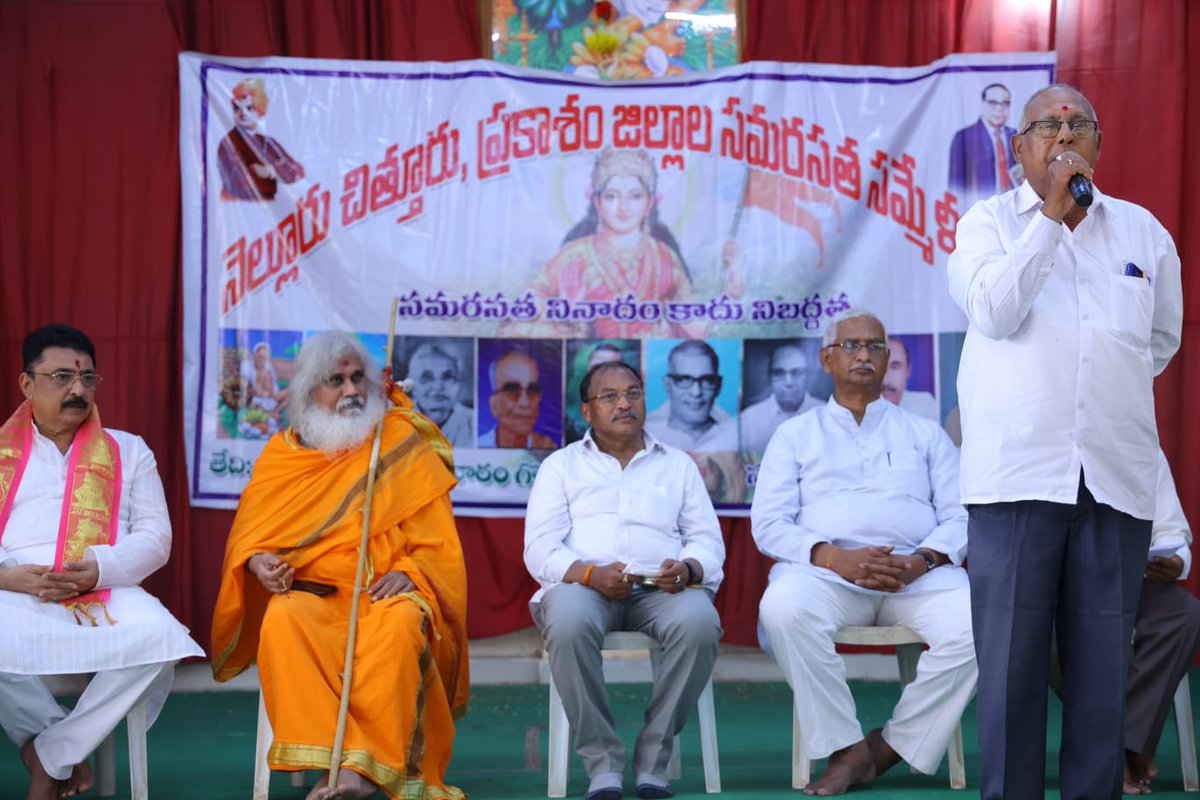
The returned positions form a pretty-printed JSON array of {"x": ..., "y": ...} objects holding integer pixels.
[
  {"x": 759, "y": 421},
  {"x": 1061, "y": 350},
  {"x": 1170, "y": 524},
  {"x": 721, "y": 436},
  {"x": 39, "y": 637},
  {"x": 893, "y": 480},
  {"x": 584, "y": 507}
]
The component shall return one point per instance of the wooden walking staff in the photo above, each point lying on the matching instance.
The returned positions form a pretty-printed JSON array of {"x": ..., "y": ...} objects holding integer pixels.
[{"x": 339, "y": 736}]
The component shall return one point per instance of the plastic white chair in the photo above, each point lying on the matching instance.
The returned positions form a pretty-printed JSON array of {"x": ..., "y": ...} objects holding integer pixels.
[
  {"x": 262, "y": 744},
  {"x": 908, "y": 650},
  {"x": 560, "y": 732},
  {"x": 1187, "y": 736},
  {"x": 106, "y": 753}
]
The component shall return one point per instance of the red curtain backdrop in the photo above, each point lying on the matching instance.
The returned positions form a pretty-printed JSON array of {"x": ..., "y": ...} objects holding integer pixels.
[{"x": 90, "y": 225}]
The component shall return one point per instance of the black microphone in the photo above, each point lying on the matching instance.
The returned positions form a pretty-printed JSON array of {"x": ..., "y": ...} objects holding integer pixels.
[{"x": 1081, "y": 190}]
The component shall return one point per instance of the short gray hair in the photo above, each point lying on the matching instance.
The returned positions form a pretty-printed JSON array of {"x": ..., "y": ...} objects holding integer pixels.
[
  {"x": 831, "y": 333},
  {"x": 1025, "y": 120},
  {"x": 319, "y": 357},
  {"x": 432, "y": 350}
]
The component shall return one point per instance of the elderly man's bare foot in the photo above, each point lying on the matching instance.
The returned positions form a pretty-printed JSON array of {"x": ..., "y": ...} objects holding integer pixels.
[
  {"x": 82, "y": 779},
  {"x": 350, "y": 786},
  {"x": 41, "y": 785},
  {"x": 1140, "y": 770},
  {"x": 322, "y": 782},
  {"x": 883, "y": 754},
  {"x": 848, "y": 767}
]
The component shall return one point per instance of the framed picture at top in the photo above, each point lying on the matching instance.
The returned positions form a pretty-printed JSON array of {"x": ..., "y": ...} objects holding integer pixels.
[{"x": 617, "y": 40}]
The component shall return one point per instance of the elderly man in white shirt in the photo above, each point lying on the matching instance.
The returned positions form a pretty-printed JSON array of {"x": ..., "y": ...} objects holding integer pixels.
[
  {"x": 83, "y": 521},
  {"x": 857, "y": 501},
  {"x": 1071, "y": 310},
  {"x": 621, "y": 535}
]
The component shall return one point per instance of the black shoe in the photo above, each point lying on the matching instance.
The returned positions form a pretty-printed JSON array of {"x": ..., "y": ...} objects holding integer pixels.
[
  {"x": 607, "y": 793},
  {"x": 650, "y": 791}
]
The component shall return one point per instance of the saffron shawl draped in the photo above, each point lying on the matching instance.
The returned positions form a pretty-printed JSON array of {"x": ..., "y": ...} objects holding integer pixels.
[{"x": 306, "y": 508}]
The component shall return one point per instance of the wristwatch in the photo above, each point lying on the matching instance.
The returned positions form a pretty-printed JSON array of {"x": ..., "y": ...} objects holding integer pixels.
[{"x": 930, "y": 559}]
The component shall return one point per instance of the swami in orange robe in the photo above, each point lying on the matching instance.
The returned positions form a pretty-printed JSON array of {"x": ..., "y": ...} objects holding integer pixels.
[{"x": 410, "y": 679}]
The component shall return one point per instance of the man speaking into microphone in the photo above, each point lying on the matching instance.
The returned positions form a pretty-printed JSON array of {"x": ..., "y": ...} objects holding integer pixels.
[{"x": 1072, "y": 310}]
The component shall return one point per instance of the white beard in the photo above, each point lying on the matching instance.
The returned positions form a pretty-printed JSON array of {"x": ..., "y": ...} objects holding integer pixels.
[{"x": 335, "y": 432}]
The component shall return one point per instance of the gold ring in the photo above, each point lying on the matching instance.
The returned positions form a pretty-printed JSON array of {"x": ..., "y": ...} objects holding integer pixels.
[{"x": 625, "y": 578}]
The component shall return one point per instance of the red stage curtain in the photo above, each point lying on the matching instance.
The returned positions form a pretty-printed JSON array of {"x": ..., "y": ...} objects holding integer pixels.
[{"x": 90, "y": 215}]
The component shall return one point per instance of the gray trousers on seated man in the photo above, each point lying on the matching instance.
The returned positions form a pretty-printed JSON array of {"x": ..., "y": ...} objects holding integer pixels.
[{"x": 574, "y": 619}]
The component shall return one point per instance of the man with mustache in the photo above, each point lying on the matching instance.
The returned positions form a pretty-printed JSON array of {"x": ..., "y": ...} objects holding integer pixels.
[
  {"x": 621, "y": 535},
  {"x": 437, "y": 380},
  {"x": 83, "y": 522},
  {"x": 690, "y": 419},
  {"x": 1071, "y": 312},
  {"x": 288, "y": 582},
  {"x": 857, "y": 502},
  {"x": 895, "y": 383}
]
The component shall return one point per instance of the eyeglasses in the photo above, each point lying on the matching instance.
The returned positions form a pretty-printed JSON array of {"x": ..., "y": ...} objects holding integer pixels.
[
  {"x": 779, "y": 373},
  {"x": 1049, "y": 128},
  {"x": 707, "y": 382},
  {"x": 998, "y": 104},
  {"x": 610, "y": 397},
  {"x": 62, "y": 378},
  {"x": 514, "y": 390},
  {"x": 850, "y": 347}
]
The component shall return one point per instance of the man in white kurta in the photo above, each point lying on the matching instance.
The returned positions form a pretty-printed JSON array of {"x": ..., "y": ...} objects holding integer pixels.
[
  {"x": 857, "y": 501},
  {"x": 132, "y": 642}
]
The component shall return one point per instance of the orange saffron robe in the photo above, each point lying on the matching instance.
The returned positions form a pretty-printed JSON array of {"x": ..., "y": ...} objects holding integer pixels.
[{"x": 410, "y": 679}]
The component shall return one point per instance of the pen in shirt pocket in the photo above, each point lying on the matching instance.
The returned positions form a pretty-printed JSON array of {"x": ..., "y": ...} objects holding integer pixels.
[{"x": 1134, "y": 271}]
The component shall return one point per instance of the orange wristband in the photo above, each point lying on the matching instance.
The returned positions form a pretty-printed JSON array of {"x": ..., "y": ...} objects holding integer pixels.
[{"x": 587, "y": 574}]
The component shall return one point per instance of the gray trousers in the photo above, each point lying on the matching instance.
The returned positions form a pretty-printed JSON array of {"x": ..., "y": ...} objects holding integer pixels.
[
  {"x": 1036, "y": 565},
  {"x": 1166, "y": 637},
  {"x": 573, "y": 620}
]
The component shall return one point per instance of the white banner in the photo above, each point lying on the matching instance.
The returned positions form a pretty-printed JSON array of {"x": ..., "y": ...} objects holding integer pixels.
[{"x": 703, "y": 228}]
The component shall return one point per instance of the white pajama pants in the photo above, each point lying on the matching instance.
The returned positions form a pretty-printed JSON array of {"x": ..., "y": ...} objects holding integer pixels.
[
  {"x": 800, "y": 612},
  {"x": 64, "y": 737}
]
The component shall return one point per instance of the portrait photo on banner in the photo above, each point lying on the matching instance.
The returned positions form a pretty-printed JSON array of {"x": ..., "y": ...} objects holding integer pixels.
[
  {"x": 442, "y": 369},
  {"x": 910, "y": 381},
  {"x": 256, "y": 368},
  {"x": 520, "y": 391}
]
